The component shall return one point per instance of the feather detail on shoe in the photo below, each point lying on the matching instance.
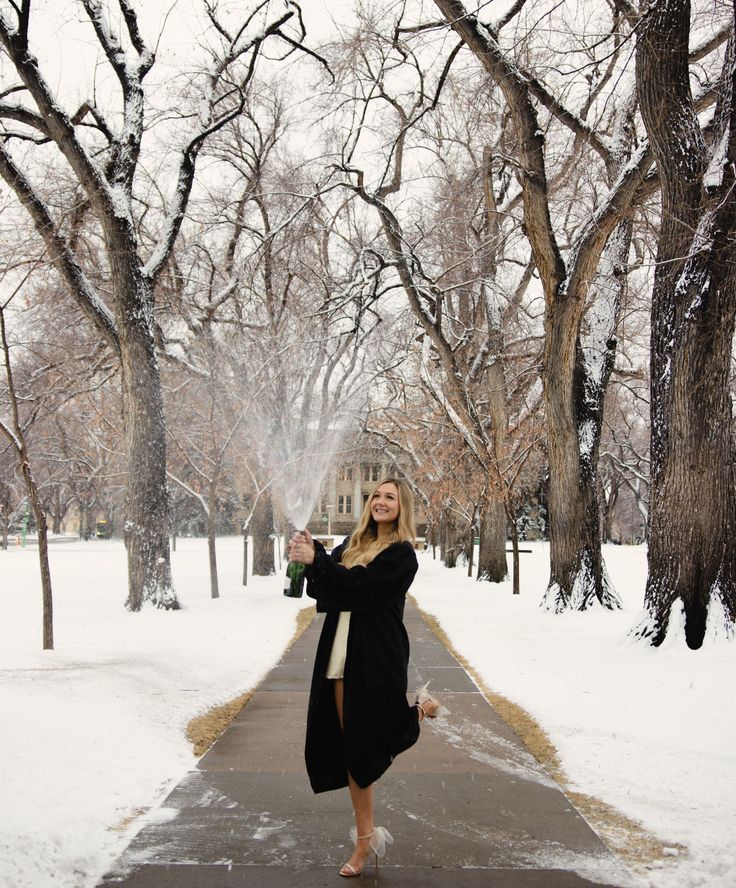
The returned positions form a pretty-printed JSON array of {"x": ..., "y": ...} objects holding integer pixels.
[
  {"x": 423, "y": 695},
  {"x": 379, "y": 838}
]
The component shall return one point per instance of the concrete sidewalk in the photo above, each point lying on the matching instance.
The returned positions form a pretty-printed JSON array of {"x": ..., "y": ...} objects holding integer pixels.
[{"x": 467, "y": 806}]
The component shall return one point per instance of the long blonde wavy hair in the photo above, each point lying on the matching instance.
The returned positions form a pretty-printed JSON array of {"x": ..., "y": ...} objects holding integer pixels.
[{"x": 364, "y": 544}]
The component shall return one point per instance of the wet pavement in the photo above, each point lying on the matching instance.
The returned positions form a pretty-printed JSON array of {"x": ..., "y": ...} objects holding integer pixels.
[{"x": 467, "y": 806}]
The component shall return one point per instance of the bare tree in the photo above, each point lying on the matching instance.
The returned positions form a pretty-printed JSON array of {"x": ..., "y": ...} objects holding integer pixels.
[
  {"x": 204, "y": 423},
  {"x": 692, "y": 563},
  {"x": 452, "y": 263},
  {"x": 273, "y": 329},
  {"x": 574, "y": 383},
  {"x": 104, "y": 158},
  {"x": 14, "y": 430}
]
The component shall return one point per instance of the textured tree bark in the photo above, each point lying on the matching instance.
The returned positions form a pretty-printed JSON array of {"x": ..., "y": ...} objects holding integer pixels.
[
  {"x": 576, "y": 570},
  {"x": 43, "y": 560},
  {"x": 261, "y": 528},
  {"x": 576, "y": 377},
  {"x": 492, "y": 565},
  {"x": 56, "y": 511},
  {"x": 3, "y": 524},
  {"x": 691, "y": 585},
  {"x": 451, "y": 540},
  {"x": 470, "y": 547},
  {"x": 212, "y": 536},
  {"x": 147, "y": 500}
]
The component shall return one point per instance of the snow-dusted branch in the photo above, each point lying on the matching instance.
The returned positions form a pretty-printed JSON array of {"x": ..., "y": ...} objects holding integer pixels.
[
  {"x": 212, "y": 120},
  {"x": 619, "y": 199},
  {"x": 59, "y": 250},
  {"x": 202, "y": 500}
]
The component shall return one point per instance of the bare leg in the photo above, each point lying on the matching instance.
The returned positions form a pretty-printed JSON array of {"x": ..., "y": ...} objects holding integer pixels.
[{"x": 362, "y": 798}]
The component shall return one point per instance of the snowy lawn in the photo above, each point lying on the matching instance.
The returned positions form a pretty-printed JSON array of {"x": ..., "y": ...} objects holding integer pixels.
[
  {"x": 651, "y": 732},
  {"x": 94, "y": 732}
]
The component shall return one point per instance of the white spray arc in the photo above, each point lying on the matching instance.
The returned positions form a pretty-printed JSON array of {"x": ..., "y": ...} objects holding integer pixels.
[
  {"x": 304, "y": 428},
  {"x": 315, "y": 392},
  {"x": 301, "y": 464}
]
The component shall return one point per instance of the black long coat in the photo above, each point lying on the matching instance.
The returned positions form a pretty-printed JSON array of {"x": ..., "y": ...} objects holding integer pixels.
[{"x": 378, "y": 721}]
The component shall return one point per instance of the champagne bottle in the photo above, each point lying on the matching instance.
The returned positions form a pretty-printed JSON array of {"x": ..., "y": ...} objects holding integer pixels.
[{"x": 294, "y": 583}]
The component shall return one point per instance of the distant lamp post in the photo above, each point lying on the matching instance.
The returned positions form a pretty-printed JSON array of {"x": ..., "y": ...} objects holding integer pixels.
[{"x": 329, "y": 509}]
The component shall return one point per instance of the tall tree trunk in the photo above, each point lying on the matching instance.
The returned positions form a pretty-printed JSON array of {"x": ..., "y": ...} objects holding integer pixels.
[
  {"x": 608, "y": 511},
  {"x": 147, "y": 501},
  {"x": 261, "y": 528},
  {"x": 56, "y": 513},
  {"x": 212, "y": 537},
  {"x": 576, "y": 379},
  {"x": 511, "y": 517},
  {"x": 451, "y": 547},
  {"x": 578, "y": 577},
  {"x": 691, "y": 584},
  {"x": 471, "y": 548},
  {"x": 43, "y": 559},
  {"x": 442, "y": 536},
  {"x": 492, "y": 565}
]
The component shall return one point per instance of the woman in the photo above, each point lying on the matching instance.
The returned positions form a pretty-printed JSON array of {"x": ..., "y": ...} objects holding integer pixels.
[{"x": 359, "y": 718}]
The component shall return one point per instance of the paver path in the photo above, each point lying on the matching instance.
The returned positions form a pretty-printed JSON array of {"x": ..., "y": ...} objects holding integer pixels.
[{"x": 467, "y": 806}]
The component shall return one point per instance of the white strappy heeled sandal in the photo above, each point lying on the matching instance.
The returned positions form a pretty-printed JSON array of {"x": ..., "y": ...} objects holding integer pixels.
[
  {"x": 423, "y": 696},
  {"x": 379, "y": 838}
]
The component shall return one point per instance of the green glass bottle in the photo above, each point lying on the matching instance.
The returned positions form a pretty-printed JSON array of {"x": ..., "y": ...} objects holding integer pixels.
[{"x": 294, "y": 584}]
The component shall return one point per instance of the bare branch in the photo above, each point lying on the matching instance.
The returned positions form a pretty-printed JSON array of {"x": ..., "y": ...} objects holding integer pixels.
[
  {"x": 59, "y": 126},
  {"x": 706, "y": 48},
  {"x": 513, "y": 11},
  {"x": 185, "y": 178},
  {"x": 59, "y": 251},
  {"x": 516, "y": 90},
  {"x": 131, "y": 22}
]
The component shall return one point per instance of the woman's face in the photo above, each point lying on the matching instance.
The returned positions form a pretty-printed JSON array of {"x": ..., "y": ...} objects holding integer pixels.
[{"x": 385, "y": 504}]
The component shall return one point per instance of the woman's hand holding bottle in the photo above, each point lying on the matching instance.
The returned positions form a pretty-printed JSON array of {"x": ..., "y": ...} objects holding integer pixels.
[{"x": 301, "y": 547}]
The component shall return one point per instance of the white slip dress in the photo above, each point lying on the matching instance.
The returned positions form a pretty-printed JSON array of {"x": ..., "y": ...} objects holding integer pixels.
[{"x": 336, "y": 665}]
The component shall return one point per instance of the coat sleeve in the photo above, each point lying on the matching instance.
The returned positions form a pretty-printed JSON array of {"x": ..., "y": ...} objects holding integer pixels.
[{"x": 361, "y": 588}]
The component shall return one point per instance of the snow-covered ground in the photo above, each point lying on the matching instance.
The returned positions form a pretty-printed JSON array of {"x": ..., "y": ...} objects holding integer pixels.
[
  {"x": 651, "y": 732},
  {"x": 93, "y": 733}
]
